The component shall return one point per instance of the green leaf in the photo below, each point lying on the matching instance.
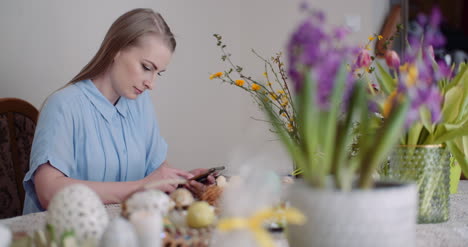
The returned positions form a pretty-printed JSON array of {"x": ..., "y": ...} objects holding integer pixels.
[
  {"x": 426, "y": 119},
  {"x": 414, "y": 133},
  {"x": 451, "y": 134},
  {"x": 332, "y": 121},
  {"x": 452, "y": 104},
  {"x": 386, "y": 81},
  {"x": 285, "y": 138},
  {"x": 459, "y": 156},
  {"x": 386, "y": 138},
  {"x": 357, "y": 104},
  {"x": 308, "y": 121}
]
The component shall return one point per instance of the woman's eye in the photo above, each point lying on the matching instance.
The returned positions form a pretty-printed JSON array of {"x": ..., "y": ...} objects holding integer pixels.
[
  {"x": 159, "y": 74},
  {"x": 146, "y": 67}
]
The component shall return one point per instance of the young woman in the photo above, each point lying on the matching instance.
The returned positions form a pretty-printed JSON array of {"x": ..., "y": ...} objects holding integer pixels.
[{"x": 100, "y": 129}]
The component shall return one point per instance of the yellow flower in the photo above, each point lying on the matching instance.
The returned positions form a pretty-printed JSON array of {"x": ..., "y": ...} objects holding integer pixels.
[
  {"x": 371, "y": 38},
  {"x": 284, "y": 101},
  {"x": 412, "y": 76},
  {"x": 284, "y": 114},
  {"x": 388, "y": 105},
  {"x": 290, "y": 127},
  {"x": 255, "y": 86},
  {"x": 380, "y": 37},
  {"x": 273, "y": 96},
  {"x": 404, "y": 67},
  {"x": 265, "y": 74},
  {"x": 240, "y": 83},
  {"x": 367, "y": 47},
  {"x": 269, "y": 83},
  {"x": 280, "y": 92},
  {"x": 216, "y": 75}
]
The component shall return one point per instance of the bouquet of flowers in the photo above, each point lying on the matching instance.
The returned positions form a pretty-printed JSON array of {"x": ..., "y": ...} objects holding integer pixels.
[
  {"x": 438, "y": 92},
  {"x": 333, "y": 108}
]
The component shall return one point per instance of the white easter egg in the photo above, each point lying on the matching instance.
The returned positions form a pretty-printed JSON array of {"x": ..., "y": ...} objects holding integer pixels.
[
  {"x": 78, "y": 208},
  {"x": 5, "y": 236},
  {"x": 119, "y": 233},
  {"x": 148, "y": 200},
  {"x": 148, "y": 226}
]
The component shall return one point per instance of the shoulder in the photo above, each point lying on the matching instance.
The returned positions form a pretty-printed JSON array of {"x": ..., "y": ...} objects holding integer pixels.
[
  {"x": 63, "y": 101},
  {"x": 65, "y": 96}
]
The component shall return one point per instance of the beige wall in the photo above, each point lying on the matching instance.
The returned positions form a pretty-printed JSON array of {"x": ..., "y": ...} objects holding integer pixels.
[{"x": 43, "y": 44}]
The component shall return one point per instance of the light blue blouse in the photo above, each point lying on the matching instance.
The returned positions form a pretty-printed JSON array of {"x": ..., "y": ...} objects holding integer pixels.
[{"x": 86, "y": 137}]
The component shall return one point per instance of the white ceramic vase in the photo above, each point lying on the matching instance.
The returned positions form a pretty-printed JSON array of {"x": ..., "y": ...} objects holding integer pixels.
[{"x": 383, "y": 216}]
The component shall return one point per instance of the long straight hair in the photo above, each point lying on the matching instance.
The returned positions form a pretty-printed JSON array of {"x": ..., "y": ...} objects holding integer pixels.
[{"x": 124, "y": 32}]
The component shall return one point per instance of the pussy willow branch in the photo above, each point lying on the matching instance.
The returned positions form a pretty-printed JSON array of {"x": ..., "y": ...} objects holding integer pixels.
[
  {"x": 283, "y": 77},
  {"x": 249, "y": 79},
  {"x": 253, "y": 93}
]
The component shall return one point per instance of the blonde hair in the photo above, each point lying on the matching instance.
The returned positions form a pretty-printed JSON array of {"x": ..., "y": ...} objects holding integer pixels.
[{"x": 124, "y": 32}]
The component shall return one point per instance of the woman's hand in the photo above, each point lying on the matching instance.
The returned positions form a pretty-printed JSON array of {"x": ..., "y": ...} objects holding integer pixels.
[
  {"x": 165, "y": 172},
  {"x": 198, "y": 188}
]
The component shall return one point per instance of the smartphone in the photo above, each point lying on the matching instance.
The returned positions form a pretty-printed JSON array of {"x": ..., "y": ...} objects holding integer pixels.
[{"x": 202, "y": 178}]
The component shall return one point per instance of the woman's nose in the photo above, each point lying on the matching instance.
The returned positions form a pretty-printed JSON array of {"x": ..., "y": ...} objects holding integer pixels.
[{"x": 148, "y": 84}]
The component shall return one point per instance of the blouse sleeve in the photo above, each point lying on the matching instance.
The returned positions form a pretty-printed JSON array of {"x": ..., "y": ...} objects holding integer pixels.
[
  {"x": 53, "y": 141},
  {"x": 156, "y": 146}
]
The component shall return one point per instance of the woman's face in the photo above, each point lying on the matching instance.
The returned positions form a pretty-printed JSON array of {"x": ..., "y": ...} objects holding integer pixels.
[{"x": 136, "y": 67}]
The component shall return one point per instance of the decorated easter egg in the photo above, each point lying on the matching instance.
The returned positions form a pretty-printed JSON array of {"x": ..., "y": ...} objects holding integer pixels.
[
  {"x": 182, "y": 198},
  {"x": 77, "y": 208}
]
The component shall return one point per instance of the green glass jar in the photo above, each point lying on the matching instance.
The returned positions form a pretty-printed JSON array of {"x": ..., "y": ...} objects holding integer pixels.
[{"x": 429, "y": 167}]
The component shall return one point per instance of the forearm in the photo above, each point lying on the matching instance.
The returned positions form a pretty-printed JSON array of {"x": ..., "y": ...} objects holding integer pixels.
[{"x": 49, "y": 181}]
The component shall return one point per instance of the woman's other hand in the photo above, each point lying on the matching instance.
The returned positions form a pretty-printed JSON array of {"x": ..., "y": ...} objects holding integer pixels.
[{"x": 164, "y": 172}]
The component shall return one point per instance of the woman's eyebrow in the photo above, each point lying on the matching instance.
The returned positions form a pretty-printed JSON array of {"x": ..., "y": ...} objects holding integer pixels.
[{"x": 154, "y": 65}]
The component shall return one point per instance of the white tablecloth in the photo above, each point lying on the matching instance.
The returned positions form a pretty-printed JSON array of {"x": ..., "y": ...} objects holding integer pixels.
[{"x": 453, "y": 233}]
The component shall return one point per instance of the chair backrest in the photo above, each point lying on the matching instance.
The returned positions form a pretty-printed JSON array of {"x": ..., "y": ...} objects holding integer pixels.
[{"x": 18, "y": 120}]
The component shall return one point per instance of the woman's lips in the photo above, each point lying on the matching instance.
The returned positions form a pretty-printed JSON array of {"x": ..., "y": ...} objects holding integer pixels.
[{"x": 138, "y": 91}]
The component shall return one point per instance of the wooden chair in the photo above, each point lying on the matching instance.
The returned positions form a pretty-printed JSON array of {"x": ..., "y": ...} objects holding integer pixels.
[{"x": 18, "y": 120}]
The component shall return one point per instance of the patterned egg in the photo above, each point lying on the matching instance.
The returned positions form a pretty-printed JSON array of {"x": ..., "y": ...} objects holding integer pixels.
[
  {"x": 78, "y": 208},
  {"x": 119, "y": 233},
  {"x": 182, "y": 198},
  {"x": 148, "y": 200}
]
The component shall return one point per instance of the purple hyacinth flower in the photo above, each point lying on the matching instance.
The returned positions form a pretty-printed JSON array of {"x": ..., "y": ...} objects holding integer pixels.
[
  {"x": 436, "y": 18},
  {"x": 444, "y": 72},
  {"x": 421, "y": 19}
]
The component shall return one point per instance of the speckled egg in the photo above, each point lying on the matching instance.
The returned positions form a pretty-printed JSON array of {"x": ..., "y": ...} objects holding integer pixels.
[
  {"x": 182, "y": 198},
  {"x": 78, "y": 208}
]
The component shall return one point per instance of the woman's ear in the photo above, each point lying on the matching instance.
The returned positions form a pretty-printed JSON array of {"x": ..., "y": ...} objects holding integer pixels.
[{"x": 116, "y": 56}]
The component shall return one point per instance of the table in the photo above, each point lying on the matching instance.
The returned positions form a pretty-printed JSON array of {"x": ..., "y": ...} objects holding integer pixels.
[{"x": 453, "y": 233}]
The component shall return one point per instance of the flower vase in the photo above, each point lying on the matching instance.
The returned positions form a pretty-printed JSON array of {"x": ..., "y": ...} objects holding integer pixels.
[
  {"x": 382, "y": 216},
  {"x": 429, "y": 167}
]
